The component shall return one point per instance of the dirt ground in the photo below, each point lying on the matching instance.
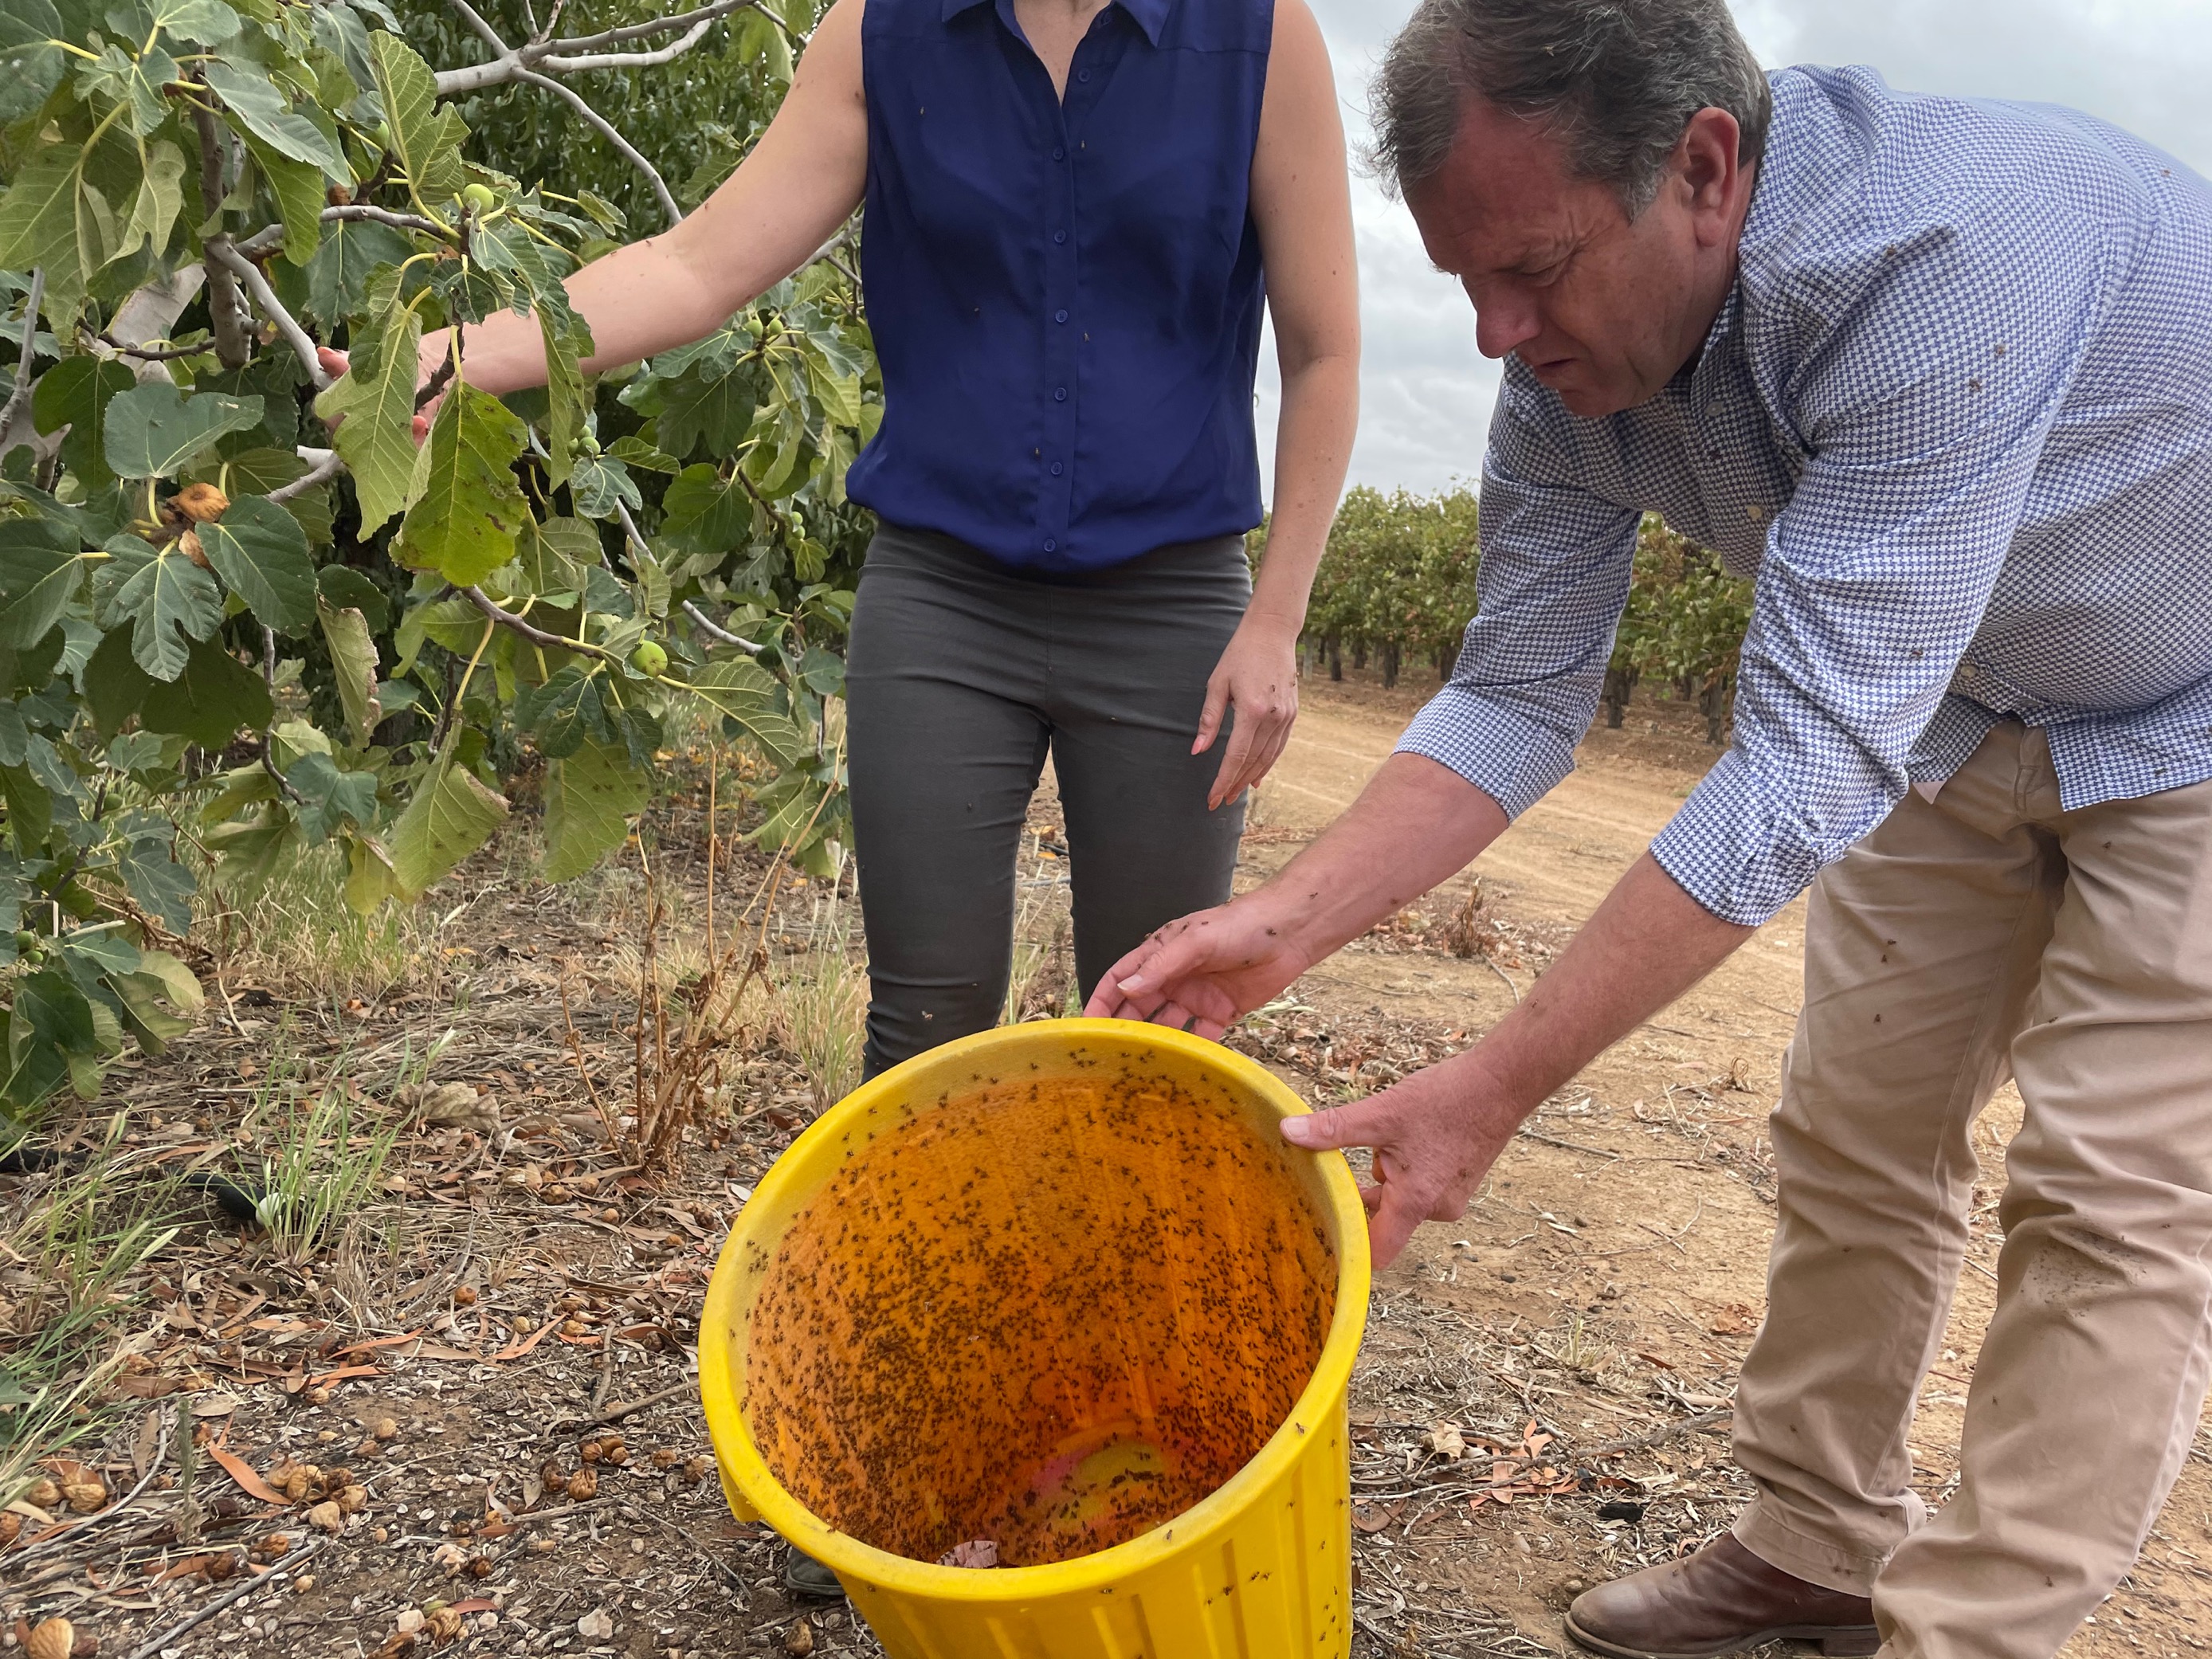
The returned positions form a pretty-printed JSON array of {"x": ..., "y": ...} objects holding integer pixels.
[{"x": 519, "y": 1308}]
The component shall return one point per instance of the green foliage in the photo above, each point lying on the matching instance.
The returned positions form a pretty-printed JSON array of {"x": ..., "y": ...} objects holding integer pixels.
[
  {"x": 224, "y": 648},
  {"x": 1399, "y": 578},
  {"x": 1683, "y": 626}
]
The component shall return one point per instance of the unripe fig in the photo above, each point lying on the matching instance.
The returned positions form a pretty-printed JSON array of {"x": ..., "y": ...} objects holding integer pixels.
[
  {"x": 649, "y": 659},
  {"x": 479, "y": 198}
]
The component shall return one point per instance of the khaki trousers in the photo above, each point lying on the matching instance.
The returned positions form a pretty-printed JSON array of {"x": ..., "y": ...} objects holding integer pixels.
[{"x": 1989, "y": 933}]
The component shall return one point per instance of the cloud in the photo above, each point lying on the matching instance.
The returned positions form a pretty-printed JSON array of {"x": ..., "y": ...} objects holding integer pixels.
[{"x": 1426, "y": 393}]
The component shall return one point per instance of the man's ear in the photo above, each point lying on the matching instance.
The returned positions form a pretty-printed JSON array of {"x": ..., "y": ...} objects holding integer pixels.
[{"x": 1707, "y": 168}]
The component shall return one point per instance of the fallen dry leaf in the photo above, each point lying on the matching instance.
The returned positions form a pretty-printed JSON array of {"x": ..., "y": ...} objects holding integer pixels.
[
  {"x": 595, "y": 1625},
  {"x": 799, "y": 1640},
  {"x": 52, "y": 1640},
  {"x": 1446, "y": 1441},
  {"x": 239, "y": 1471}
]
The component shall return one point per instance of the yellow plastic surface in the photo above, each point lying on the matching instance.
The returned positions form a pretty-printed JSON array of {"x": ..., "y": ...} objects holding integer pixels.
[{"x": 1061, "y": 1286}]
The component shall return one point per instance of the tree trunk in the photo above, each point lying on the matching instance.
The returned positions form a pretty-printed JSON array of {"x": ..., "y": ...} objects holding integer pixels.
[
  {"x": 234, "y": 346},
  {"x": 1393, "y": 655},
  {"x": 1335, "y": 658},
  {"x": 1619, "y": 685},
  {"x": 1360, "y": 651},
  {"x": 1714, "y": 700}
]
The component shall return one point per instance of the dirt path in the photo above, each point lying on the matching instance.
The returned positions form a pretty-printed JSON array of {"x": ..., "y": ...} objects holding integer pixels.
[
  {"x": 517, "y": 1297},
  {"x": 1611, "y": 1274}
]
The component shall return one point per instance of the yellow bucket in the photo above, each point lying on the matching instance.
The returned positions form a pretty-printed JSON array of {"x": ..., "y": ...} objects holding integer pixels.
[{"x": 1061, "y": 1287}]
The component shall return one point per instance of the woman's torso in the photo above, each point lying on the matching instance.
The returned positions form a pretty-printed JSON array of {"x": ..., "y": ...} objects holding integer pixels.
[{"x": 1065, "y": 296}]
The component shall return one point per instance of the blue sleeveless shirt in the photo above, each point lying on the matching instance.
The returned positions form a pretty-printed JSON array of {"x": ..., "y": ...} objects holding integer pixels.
[{"x": 1065, "y": 296}]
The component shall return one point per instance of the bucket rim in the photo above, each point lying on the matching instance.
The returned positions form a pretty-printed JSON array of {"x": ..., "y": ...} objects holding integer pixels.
[{"x": 1316, "y": 1409}]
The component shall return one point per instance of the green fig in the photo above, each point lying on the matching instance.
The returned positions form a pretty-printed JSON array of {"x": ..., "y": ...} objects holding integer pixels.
[
  {"x": 649, "y": 659},
  {"x": 479, "y": 198}
]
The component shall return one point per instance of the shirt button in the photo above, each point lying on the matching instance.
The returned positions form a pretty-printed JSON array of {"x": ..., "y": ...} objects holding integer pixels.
[
  {"x": 1050, "y": 545},
  {"x": 1059, "y": 316},
  {"x": 1059, "y": 153},
  {"x": 1060, "y": 236},
  {"x": 1059, "y": 394},
  {"x": 1057, "y": 468},
  {"x": 1083, "y": 75}
]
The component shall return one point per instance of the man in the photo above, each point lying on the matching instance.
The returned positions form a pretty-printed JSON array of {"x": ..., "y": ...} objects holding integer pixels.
[{"x": 1941, "y": 373}]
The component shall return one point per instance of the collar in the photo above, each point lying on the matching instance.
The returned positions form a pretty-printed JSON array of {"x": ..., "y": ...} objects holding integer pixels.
[{"x": 1150, "y": 15}]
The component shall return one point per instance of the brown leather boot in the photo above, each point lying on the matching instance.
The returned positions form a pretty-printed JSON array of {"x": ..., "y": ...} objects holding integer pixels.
[{"x": 1719, "y": 1601}]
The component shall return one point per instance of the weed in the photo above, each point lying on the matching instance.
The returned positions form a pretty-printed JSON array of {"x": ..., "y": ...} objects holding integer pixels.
[
  {"x": 71, "y": 1245},
  {"x": 821, "y": 1007},
  {"x": 328, "y": 1157},
  {"x": 299, "y": 934}
]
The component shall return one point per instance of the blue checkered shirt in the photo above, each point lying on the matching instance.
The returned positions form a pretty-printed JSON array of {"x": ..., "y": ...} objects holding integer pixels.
[{"x": 1956, "y": 417}]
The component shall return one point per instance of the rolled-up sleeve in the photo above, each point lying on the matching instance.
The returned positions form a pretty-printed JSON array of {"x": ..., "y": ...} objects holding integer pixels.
[{"x": 1552, "y": 582}]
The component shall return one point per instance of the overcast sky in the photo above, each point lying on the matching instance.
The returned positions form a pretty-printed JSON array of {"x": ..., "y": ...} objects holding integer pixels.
[{"x": 1426, "y": 393}]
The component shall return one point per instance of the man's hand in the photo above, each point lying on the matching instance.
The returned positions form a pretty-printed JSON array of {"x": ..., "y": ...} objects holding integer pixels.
[
  {"x": 1206, "y": 971},
  {"x": 1436, "y": 1133},
  {"x": 1258, "y": 678},
  {"x": 1434, "y": 1137},
  {"x": 1414, "y": 824}
]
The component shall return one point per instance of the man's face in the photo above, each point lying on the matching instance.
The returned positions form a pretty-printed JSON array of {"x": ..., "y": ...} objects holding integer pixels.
[{"x": 1604, "y": 309}]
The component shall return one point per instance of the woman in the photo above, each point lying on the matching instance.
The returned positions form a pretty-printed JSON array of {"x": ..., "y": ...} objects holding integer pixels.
[{"x": 1072, "y": 211}]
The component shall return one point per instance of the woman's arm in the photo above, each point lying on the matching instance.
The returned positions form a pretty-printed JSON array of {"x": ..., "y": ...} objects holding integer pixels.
[
  {"x": 801, "y": 181},
  {"x": 1302, "y": 205}
]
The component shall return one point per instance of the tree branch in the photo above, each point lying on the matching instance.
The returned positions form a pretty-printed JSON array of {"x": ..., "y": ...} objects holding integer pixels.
[
  {"x": 558, "y": 56},
  {"x": 714, "y": 630},
  {"x": 220, "y": 252},
  {"x": 262, "y": 243},
  {"x": 506, "y": 619},
  {"x": 150, "y": 354},
  {"x": 514, "y": 64},
  {"x": 270, "y": 238},
  {"x": 268, "y": 755},
  {"x": 616, "y": 37},
  {"x": 382, "y": 216},
  {"x": 484, "y": 31},
  {"x": 629, "y": 151},
  {"x": 669, "y": 53},
  {"x": 226, "y": 312},
  {"x": 322, "y": 465},
  {"x": 20, "y": 398}
]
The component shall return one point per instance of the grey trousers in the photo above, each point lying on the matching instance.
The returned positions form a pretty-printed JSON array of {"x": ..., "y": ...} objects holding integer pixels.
[{"x": 961, "y": 675}]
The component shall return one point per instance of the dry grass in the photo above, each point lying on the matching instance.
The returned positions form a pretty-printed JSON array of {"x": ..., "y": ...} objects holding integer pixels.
[{"x": 298, "y": 935}]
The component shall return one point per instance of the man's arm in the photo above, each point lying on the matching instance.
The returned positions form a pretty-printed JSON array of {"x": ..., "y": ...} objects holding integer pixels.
[
  {"x": 1875, "y": 579},
  {"x": 1501, "y": 732},
  {"x": 1415, "y": 823},
  {"x": 1437, "y": 1133}
]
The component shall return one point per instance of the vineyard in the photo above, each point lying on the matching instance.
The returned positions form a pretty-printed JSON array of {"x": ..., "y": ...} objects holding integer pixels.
[
  {"x": 1399, "y": 585},
  {"x": 234, "y": 631}
]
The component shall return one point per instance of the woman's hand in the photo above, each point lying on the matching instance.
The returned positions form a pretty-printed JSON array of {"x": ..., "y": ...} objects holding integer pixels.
[
  {"x": 1434, "y": 1137},
  {"x": 335, "y": 363},
  {"x": 1258, "y": 678}
]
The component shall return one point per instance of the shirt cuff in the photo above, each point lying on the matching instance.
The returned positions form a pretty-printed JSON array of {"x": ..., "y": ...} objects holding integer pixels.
[
  {"x": 1740, "y": 854},
  {"x": 1510, "y": 757}
]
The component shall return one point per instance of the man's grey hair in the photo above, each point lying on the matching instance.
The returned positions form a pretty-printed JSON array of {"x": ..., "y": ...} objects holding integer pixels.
[{"x": 1618, "y": 80}]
